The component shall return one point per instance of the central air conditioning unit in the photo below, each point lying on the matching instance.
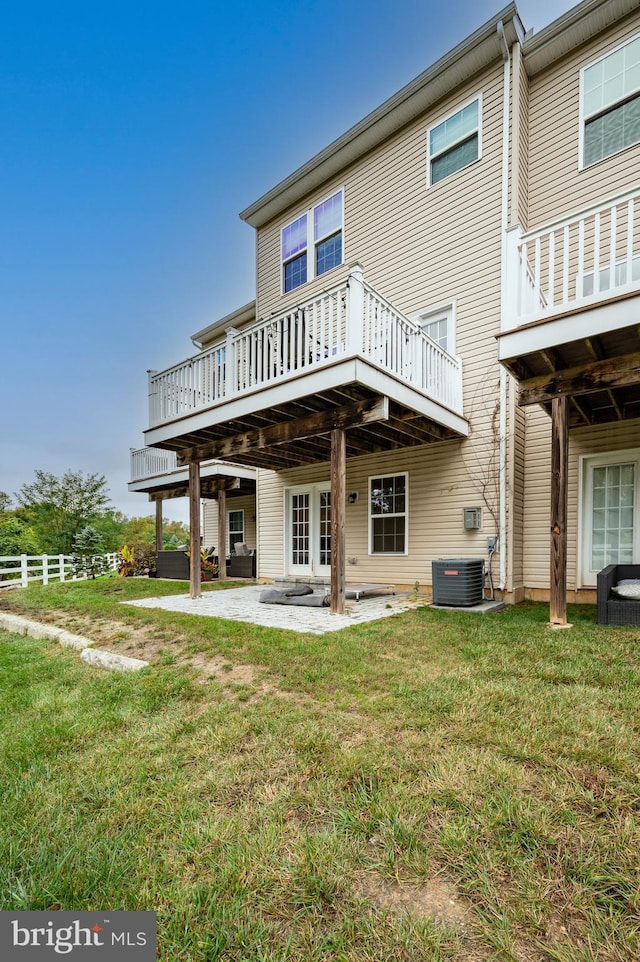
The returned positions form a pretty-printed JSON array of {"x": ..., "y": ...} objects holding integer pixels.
[{"x": 458, "y": 581}]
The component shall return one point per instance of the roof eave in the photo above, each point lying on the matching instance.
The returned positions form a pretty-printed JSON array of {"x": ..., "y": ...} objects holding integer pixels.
[
  {"x": 237, "y": 318},
  {"x": 571, "y": 30},
  {"x": 475, "y": 53}
]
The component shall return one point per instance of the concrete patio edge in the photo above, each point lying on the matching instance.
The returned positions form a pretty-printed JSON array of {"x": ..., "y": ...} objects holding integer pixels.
[{"x": 34, "y": 629}]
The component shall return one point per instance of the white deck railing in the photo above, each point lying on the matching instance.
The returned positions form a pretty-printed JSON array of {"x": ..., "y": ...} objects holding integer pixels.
[
  {"x": 576, "y": 262},
  {"x": 148, "y": 462},
  {"x": 349, "y": 320}
]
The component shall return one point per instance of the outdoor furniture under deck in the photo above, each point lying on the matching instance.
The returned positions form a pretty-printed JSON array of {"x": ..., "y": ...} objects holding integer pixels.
[
  {"x": 241, "y": 565},
  {"x": 613, "y": 609}
]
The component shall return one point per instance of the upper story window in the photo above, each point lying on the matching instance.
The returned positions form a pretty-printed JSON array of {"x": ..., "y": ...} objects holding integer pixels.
[
  {"x": 455, "y": 142},
  {"x": 438, "y": 325},
  {"x": 610, "y": 103},
  {"x": 312, "y": 244}
]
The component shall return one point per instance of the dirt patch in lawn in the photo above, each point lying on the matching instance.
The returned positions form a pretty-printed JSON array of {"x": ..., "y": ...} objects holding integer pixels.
[
  {"x": 435, "y": 899},
  {"x": 152, "y": 643}
]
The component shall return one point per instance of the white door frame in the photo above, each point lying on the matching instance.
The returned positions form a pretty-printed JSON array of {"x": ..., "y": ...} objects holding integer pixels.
[
  {"x": 587, "y": 462},
  {"x": 313, "y": 568}
]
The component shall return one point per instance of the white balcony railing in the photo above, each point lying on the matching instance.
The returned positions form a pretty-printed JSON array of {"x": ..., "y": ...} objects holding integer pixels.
[
  {"x": 576, "y": 262},
  {"x": 349, "y": 320},
  {"x": 149, "y": 462}
]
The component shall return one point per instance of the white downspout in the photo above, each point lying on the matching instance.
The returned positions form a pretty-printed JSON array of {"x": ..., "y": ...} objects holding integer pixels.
[{"x": 502, "y": 466}]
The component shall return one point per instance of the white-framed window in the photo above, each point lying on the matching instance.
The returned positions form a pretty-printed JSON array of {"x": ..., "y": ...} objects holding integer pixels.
[
  {"x": 438, "y": 324},
  {"x": 454, "y": 142},
  {"x": 388, "y": 514},
  {"x": 610, "y": 512},
  {"x": 312, "y": 244},
  {"x": 235, "y": 524},
  {"x": 610, "y": 103}
]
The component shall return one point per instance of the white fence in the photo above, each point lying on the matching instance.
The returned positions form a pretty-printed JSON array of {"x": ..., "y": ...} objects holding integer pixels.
[{"x": 25, "y": 568}]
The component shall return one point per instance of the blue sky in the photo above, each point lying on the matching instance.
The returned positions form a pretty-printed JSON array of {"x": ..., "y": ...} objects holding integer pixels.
[{"x": 133, "y": 133}]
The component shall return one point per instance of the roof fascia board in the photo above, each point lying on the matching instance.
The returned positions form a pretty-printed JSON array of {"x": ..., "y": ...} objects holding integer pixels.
[
  {"x": 475, "y": 53},
  {"x": 239, "y": 317},
  {"x": 571, "y": 30}
]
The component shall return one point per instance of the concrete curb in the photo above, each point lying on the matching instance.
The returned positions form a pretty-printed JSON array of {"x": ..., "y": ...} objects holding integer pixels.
[{"x": 104, "y": 659}]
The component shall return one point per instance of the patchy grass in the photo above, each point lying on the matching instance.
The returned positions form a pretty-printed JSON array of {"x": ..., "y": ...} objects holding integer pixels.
[{"x": 437, "y": 785}]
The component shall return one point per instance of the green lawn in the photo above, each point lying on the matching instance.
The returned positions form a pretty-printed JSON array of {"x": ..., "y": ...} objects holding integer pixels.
[{"x": 435, "y": 785}]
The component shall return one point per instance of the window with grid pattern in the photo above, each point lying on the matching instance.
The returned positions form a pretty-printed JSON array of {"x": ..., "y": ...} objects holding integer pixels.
[
  {"x": 311, "y": 245},
  {"x": 388, "y": 514},
  {"x": 454, "y": 143},
  {"x": 611, "y": 103}
]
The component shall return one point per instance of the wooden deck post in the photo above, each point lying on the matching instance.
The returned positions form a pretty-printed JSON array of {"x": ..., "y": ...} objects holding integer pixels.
[
  {"x": 222, "y": 533},
  {"x": 559, "y": 457},
  {"x": 159, "y": 506},
  {"x": 194, "y": 529},
  {"x": 338, "y": 487}
]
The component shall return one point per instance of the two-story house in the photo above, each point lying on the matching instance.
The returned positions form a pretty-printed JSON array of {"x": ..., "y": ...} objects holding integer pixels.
[{"x": 443, "y": 353}]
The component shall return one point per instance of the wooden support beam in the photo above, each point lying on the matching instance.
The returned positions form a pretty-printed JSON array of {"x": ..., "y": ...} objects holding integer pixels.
[
  {"x": 194, "y": 530},
  {"x": 222, "y": 534},
  {"x": 159, "y": 506},
  {"x": 559, "y": 478},
  {"x": 584, "y": 379},
  {"x": 594, "y": 346},
  {"x": 338, "y": 488},
  {"x": 209, "y": 488},
  {"x": 421, "y": 434},
  {"x": 323, "y": 422}
]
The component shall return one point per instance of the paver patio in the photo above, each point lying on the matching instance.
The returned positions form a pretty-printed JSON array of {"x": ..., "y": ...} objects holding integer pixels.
[{"x": 243, "y": 604}]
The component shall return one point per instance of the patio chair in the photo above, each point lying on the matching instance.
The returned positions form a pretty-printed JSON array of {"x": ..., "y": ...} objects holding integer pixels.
[{"x": 613, "y": 609}]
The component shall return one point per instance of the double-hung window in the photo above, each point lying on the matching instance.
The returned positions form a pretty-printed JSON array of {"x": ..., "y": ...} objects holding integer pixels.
[
  {"x": 455, "y": 142},
  {"x": 438, "y": 325},
  {"x": 235, "y": 521},
  {"x": 312, "y": 244},
  {"x": 388, "y": 502},
  {"x": 610, "y": 103}
]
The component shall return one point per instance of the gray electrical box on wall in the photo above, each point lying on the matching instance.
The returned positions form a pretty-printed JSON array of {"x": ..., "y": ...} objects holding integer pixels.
[{"x": 472, "y": 518}]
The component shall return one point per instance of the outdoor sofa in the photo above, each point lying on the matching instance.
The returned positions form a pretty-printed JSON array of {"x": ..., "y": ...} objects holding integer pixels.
[{"x": 613, "y": 609}]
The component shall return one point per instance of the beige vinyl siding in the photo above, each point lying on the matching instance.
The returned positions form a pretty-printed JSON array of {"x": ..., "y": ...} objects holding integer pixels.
[
  {"x": 582, "y": 441},
  {"x": 210, "y": 522},
  {"x": 441, "y": 482},
  {"x": 420, "y": 247},
  {"x": 270, "y": 533},
  {"x": 394, "y": 225},
  {"x": 556, "y": 186}
]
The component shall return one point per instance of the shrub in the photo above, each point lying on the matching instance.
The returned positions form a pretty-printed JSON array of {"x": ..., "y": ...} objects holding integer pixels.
[
  {"x": 88, "y": 556},
  {"x": 137, "y": 558}
]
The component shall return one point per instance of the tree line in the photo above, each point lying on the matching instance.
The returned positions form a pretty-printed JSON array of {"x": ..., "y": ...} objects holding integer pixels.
[{"x": 50, "y": 512}]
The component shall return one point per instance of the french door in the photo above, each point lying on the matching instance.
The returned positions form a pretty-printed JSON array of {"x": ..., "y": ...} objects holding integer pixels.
[
  {"x": 610, "y": 512},
  {"x": 308, "y": 530}
]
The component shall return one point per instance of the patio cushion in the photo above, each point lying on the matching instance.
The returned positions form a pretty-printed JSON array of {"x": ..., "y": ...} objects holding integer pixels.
[
  {"x": 627, "y": 588},
  {"x": 300, "y": 595}
]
